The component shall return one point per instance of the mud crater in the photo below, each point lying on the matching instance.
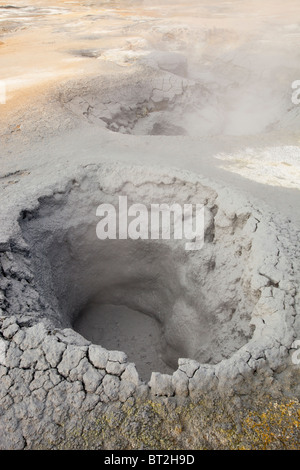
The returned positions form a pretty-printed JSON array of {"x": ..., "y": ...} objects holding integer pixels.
[
  {"x": 163, "y": 104},
  {"x": 198, "y": 303}
]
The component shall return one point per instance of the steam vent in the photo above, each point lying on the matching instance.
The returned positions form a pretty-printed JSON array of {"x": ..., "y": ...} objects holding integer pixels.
[{"x": 124, "y": 323}]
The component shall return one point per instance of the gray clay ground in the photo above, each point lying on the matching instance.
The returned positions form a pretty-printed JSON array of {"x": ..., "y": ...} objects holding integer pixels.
[{"x": 163, "y": 103}]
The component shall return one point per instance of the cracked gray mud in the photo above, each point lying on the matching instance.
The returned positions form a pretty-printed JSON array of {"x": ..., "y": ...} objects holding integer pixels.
[
  {"x": 97, "y": 337},
  {"x": 221, "y": 313}
]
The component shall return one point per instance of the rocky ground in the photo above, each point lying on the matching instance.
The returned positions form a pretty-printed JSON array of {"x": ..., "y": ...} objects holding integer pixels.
[{"x": 162, "y": 102}]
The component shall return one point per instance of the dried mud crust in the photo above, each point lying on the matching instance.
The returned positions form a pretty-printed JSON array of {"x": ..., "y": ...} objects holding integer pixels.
[
  {"x": 154, "y": 106},
  {"x": 229, "y": 311}
]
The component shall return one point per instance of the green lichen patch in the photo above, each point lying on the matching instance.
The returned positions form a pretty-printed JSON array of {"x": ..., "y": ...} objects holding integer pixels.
[{"x": 210, "y": 424}]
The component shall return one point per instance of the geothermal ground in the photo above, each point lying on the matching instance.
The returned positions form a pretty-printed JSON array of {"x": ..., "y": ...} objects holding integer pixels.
[{"x": 139, "y": 343}]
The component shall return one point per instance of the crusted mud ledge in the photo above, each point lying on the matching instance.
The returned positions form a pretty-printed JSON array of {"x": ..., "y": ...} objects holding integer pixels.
[{"x": 48, "y": 411}]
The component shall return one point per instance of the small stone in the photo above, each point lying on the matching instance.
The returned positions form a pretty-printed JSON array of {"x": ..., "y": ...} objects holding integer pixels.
[
  {"x": 54, "y": 376},
  {"x": 188, "y": 366},
  {"x": 89, "y": 403},
  {"x": 70, "y": 359},
  {"x": 13, "y": 355},
  {"x": 78, "y": 371},
  {"x": 92, "y": 379},
  {"x": 42, "y": 364},
  {"x": 161, "y": 384},
  {"x": 10, "y": 331},
  {"x": 117, "y": 356},
  {"x": 142, "y": 391},
  {"x": 3, "y": 370},
  {"x": 98, "y": 356},
  {"x": 8, "y": 321},
  {"x": 181, "y": 383},
  {"x": 30, "y": 358},
  {"x": 75, "y": 400},
  {"x": 130, "y": 374},
  {"x": 6, "y": 383},
  {"x": 3, "y": 349},
  {"x": 19, "y": 337},
  {"x": 115, "y": 368},
  {"x": 34, "y": 335},
  {"x": 204, "y": 380},
  {"x": 70, "y": 336},
  {"x": 53, "y": 350},
  {"x": 127, "y": 389},
  {"x": 38, "y": 381},
  {"x": 111, "y": 386}
]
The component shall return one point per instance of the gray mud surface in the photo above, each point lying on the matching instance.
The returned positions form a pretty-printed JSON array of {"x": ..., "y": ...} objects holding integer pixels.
[
  {"x": 129, "y": 344},
  {"x": 118, "y": 327}
]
